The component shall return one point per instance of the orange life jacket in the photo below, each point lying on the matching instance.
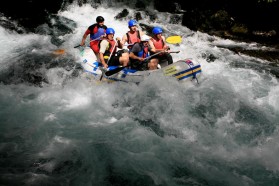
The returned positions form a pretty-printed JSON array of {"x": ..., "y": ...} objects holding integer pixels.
[
  {"x": 133, "y": 38},
  {"x": 158, "y": 44}
]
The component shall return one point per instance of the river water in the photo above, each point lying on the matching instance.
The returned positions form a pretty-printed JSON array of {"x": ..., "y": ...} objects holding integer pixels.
[{"x": 58, "y": 127}]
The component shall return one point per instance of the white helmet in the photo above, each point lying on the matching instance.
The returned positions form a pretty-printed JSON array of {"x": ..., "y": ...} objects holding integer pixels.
[{"x": 145, "y": 38}]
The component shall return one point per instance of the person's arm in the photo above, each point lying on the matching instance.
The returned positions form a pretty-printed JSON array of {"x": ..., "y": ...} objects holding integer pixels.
[
  {"x": 134, "y": 50},
  {"x": 142, "y": 33},
  {"x": 124, "y": 39},
  {"x": 152, "y": 47},
  {"x": 166, "y": 47},
  {"x": 84, "y": 37},
  {"x": 103, "y": 46},
  {"x": 133, "y": 56},
  {"x": 119, "y": 44},
  {"x": 104, "y": 35},
  {"x": 153, "y": 50},
  {"x": 101, "y": 55}
]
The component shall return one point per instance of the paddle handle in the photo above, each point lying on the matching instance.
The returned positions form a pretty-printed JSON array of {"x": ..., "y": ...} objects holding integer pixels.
[
  {"x": 152, "y": 55},
  {"x": 90, "y": 41},
  {"x": 159, "y": 53},
  {"x": 175, "y": 51},
  {"x": 96, "y": 38},
  {"x": 111, "y": 52}
]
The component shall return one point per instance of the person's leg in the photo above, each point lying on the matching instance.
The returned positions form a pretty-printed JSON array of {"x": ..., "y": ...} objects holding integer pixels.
[
  {"x": 94, "y": 46},
  {"x": 162, "y": 61},
  {"x": 169, "y": 58},
  {"x": 113, "y": 61},
  {"x": 124, "y": 59},
  {"x": 97, "y": 56}
]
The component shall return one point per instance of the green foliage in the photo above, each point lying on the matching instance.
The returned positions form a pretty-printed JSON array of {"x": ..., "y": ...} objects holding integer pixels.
[{"x": 239, "y": 29}]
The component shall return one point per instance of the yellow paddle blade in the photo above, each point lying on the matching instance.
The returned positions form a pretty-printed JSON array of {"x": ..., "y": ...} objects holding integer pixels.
[
  {"x": 59, "y": 52},
  {"x": 174, "y": 39}
]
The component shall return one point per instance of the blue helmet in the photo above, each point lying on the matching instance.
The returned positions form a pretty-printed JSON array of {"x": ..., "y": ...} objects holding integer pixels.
[
  {"x": 157, "y": 30},
  {"x": 132, "y": 23},
  {"x": 110, "y": 31}
]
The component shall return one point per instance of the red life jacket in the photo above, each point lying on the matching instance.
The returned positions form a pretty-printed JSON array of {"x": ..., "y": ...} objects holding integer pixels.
[
  {"x": 158, "y": 44},
  {"x": 133, "y": 38}
]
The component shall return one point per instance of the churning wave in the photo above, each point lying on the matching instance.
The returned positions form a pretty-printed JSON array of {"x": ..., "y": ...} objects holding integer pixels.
[{"x": 60, "y": 128}]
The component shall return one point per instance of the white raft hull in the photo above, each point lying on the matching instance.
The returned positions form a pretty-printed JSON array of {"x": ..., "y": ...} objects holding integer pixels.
[{"x": 182, "y": 70}]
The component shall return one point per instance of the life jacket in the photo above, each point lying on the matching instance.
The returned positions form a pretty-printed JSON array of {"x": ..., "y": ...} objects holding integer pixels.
[
  {"x": 144, "y": 51},
  {"x": 133, "y": 38},
  {"x": 109, "y": 49},
  {"x": 158, "y": 44},
  {"x": 96, "y": 31}
]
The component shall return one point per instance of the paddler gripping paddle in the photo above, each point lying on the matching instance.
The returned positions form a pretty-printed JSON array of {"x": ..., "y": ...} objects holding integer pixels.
[
  {"x": 116, "y": 70},
  {"x": 171, "y": 40},
  {"x": 62, "y": 51}
]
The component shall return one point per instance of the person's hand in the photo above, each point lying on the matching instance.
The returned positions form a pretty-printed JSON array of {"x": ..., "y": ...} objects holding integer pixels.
[
  {"x": 166, "y": 48},
  {"x": 118, "y": 39},
  {"x": 105, "y": 66},
  {"x": 103, "y": 69},
  {"x": 141, "y": 59}
]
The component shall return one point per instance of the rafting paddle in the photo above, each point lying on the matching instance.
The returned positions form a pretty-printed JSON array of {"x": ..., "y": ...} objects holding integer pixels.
[
  {"x": 62, "y": 51},
  {"x": 77, "y": 46},
  {"x": 114, "y": 71},
  {"x": 59, "y": 52},
  {"x": 108, "y": 61},
  {"x": 174, "y": 39}
]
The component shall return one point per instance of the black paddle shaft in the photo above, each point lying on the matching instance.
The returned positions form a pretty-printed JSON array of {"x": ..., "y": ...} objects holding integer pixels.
[{"x": 114, "y": 71}]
